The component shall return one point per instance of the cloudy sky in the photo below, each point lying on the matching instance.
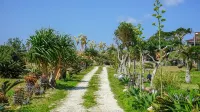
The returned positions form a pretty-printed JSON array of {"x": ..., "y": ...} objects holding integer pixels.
[{"x": 95, "y": 18}]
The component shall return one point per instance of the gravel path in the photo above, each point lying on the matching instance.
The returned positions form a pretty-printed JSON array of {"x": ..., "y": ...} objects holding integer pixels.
[
  {"x": 105, "y": 98},
  {"x": 73, "y": 101}
]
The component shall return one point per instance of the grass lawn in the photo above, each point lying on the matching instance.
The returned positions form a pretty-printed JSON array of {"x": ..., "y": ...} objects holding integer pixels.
[
  {"x": 52, "y": 96},
  {"x": 93, "y": 86},
  {"x": 125, "y": 101}
]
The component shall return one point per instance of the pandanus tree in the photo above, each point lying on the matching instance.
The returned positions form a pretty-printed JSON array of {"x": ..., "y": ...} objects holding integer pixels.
[
  {"x": 41, "y": 44},
  {"x": 60, "y": 52},
  {"x": 51, "y": 50},
  {"x": 125, "y": 37}
]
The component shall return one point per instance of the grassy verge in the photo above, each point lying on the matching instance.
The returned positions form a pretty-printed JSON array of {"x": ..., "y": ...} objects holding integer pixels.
[
  {"x": 99, "y": 70},
  {"x": 124, "y": 101},
  {"x": 90, "y": 97},
  {"x": 45, "y": 104}
]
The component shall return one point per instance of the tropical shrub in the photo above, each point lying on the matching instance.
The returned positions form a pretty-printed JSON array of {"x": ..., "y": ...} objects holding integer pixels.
[
  {"x": 184, "y": 102},
  {"x": 11, "y": 64},
  {"x": 5, "y": 87},
  {"x": 18, "y": 97},
  {"x": 125, "y": 79},
  {"x": 141, "y": 100}
]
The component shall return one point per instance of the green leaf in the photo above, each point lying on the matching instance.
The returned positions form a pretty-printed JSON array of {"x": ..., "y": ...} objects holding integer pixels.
[
  {"x": 156, "y": 8},
  {"x": 163, "y": 11},
  {"x": 158, "y": 16},
  {"x": 163, "y": 20},
  {"x": 154, "y": 24},
  {"x": 154, "y": 15}
]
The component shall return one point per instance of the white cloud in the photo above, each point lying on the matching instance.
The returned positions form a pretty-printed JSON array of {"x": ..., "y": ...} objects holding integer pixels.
[
  {"x": 172, "y": 2},
  {"x": 128, "y": 20},
  {"x": 147, "y": 16}
]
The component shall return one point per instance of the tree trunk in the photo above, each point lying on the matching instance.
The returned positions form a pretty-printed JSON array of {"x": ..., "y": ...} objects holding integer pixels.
[
  {"x": 143, "y": 69},
  {"x": 154, "y": 73},
  {"x": 57, "y": 69},
  {"x": 134, "y": 66},
  {"x": 52, "y": 80},
  {"x": 187, "y": 74},
  {"x": 57, "y": 73}
]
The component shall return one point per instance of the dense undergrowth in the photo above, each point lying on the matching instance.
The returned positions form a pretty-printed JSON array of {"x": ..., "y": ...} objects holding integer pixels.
[{"x": 45, "y": 103}]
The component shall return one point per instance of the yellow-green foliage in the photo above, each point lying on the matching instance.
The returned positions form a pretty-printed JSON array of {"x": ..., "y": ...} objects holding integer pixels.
[{"x": 169, "y": 79}]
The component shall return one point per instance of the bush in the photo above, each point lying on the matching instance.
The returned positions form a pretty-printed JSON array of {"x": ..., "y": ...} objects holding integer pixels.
[
  {"x": 141, "y": 100},
  {"x": 11, "y": 69},
  {"x": 11, "y": 63},
  {"x": 188, "y": 101}
]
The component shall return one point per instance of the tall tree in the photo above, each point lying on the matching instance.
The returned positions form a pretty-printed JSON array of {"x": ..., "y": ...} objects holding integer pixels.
[{"x": 125, "y": 37}]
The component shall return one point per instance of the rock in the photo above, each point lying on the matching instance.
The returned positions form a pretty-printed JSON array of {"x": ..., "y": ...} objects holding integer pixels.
[
  {"x": 120, "y": 77},
  {"x": 125, "y": 90},
  {"x": 150, "y": 109}
]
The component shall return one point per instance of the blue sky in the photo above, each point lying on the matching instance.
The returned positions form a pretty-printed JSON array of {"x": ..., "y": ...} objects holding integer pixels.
[{"x": 95, "y": 18}]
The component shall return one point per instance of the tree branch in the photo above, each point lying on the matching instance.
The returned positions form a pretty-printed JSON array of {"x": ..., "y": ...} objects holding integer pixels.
[{"x": 151, "y": 58}]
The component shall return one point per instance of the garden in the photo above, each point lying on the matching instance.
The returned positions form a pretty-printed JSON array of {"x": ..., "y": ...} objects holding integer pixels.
[{"x": 158, "y": 74}]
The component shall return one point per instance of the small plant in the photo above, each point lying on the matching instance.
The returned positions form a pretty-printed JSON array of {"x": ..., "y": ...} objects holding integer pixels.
[
  {"x": 6, "y": 86},
  {"x": 44, "y": 82},
  {"x": 18, "y": 97},
  {"x": 3, "y": 98},
  {"x": 30, "y": 83},
  {"x": 141, "y": 100},
  {"x": 2, "y": 107},
  {"x": 185, "y": 102},
  {"x": 125, "y": 79}
]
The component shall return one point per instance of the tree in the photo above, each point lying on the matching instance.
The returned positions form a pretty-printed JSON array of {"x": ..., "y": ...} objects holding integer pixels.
[
  {"x": 125, "y": 37},
  {"x": 52, "y": 50},
  {"x": 83, "y": 40},
  {"x": 16, "y": 43},
  {"x": 11, "y": 65}
]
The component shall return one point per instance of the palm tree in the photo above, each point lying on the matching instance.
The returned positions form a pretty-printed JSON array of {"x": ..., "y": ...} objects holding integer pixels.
[
  {"x": 102, "y": 46},
  {"x": 92, "y": 44},
  {"x": 83, "y": 40}
]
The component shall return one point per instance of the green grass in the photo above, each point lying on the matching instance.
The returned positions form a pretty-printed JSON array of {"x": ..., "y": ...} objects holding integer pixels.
[
  {"x": 124, "y": 101},
  {"x": 195, "y": 76},
  {"x": 99, "y": 70},
  {"x": 52, "y": 97},
  {"x": 93, "y": 86}
]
